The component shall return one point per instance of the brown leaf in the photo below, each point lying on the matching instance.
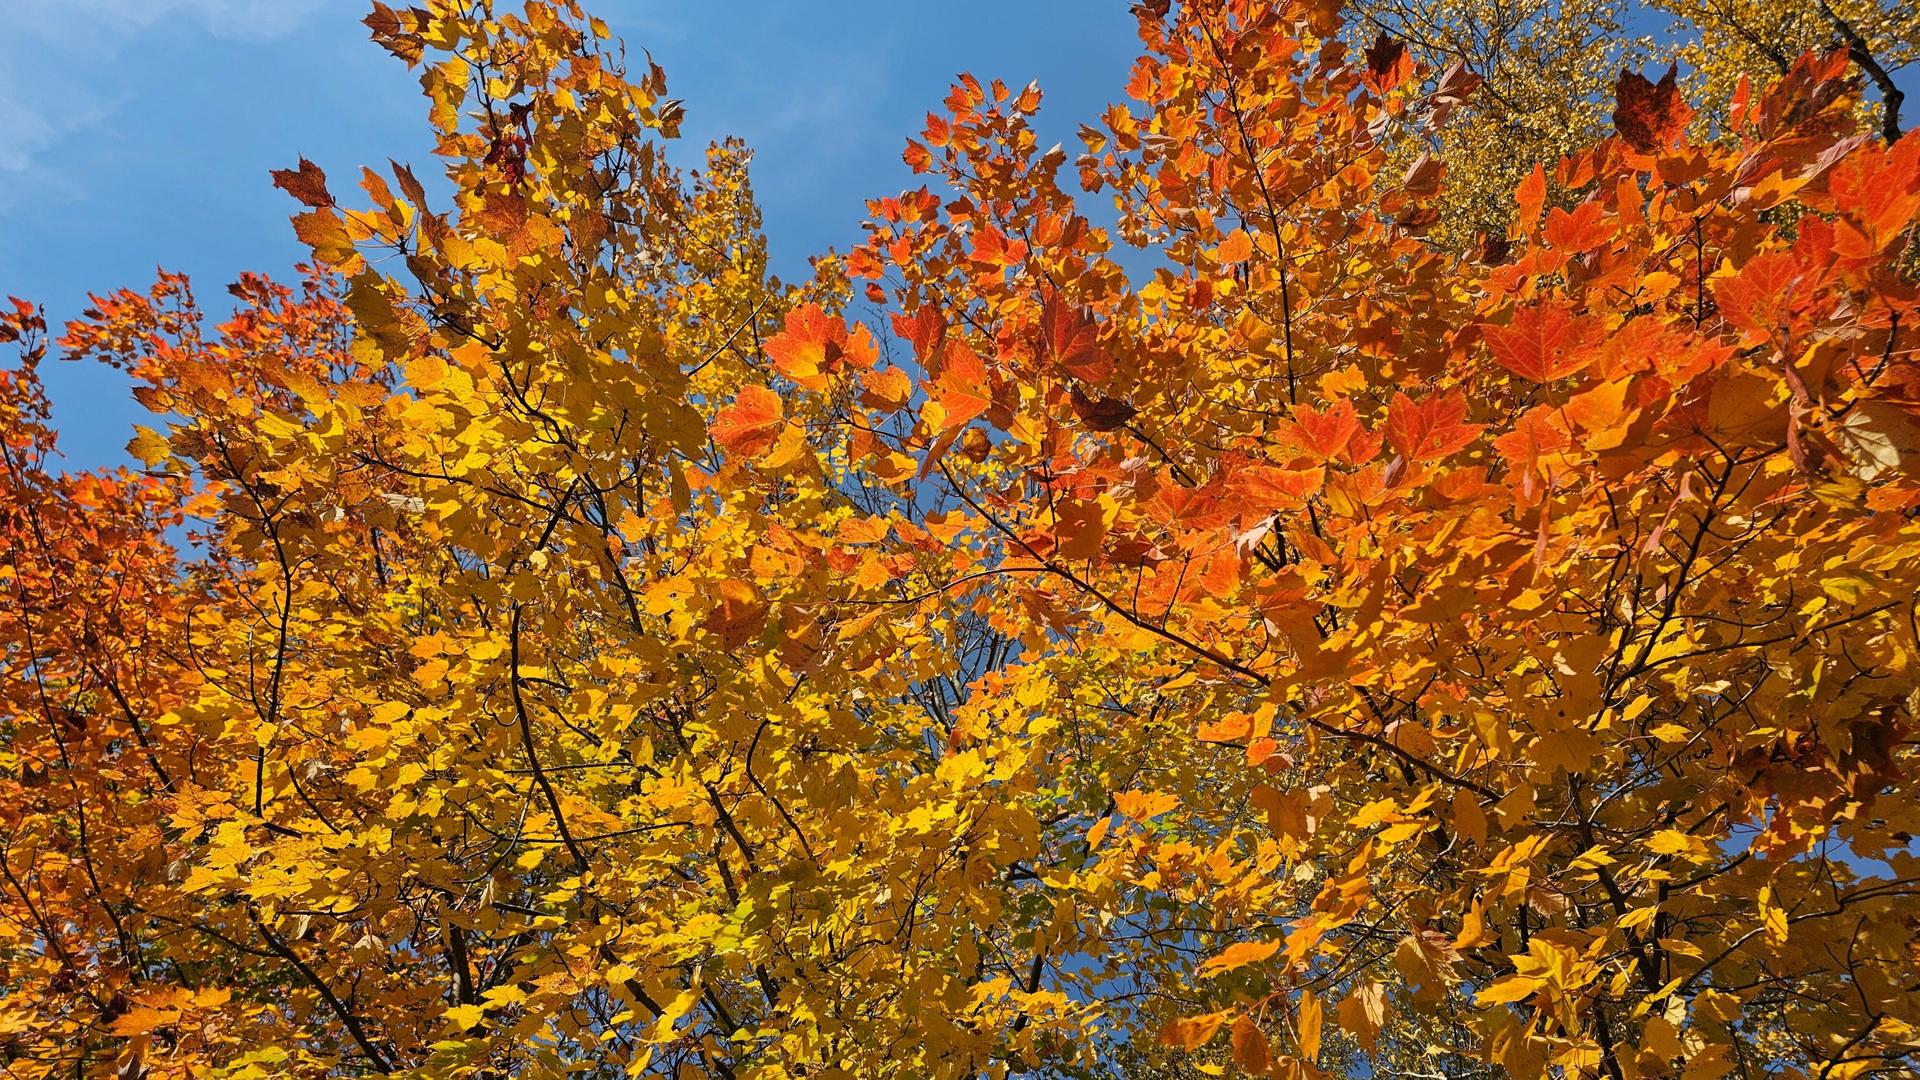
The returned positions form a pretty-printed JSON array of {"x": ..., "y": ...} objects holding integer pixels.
[
  {"x": 307, "y": 183},
  {"x": 1388, "y": 62},
  {"x": 1101, "y": 414},
  {"x": 1649, "y": 116}
]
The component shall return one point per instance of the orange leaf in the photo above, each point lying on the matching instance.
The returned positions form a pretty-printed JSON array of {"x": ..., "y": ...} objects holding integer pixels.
[
  {"x": 1144, "y": 805},
  {"x": 1236, "y": 248},
  {"x": 1756, "y": 299},
  {"x": 961, "y": 388},
  {"x": 1649, "y": 116},
  {"x": 1099, "y": 832},
  {"x": 1531, "y": 197},
  {"x": 1388, "y": 63},
  {"x": 1583, "y": 229},
  {"x": 1238, "y": 955},
  {"x": 1877, "y": 190},
  {"x": 1308, "y": 1019},
  {"x": 1073, "y": 340},
  {"x": 1431, "y": 428},
  {"x": 1190, "y": 1032},
  {"x": 751, "y": 424},
  {"x": 815, "y": 343},
  {"x": 1250, "y": 1049},
  {"x": 925, "y": 328},
  {"x": 993, "y": 247},
  {"x": 1269, "y": 489},
  {"x": 1542, "y": 343},
  {"x": 1323, "y": 434},
  {"x": 885, "y": 389},
  {"x": 1539, "y": 432}
]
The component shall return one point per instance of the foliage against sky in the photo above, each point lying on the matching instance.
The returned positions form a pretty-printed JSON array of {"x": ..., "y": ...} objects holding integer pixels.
[{"x": 1215, "y": 618}]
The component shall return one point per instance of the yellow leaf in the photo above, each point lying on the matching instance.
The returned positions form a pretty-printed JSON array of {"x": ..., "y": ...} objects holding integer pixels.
[
  {"x": 149, "y": 446},
  {"x": 1510, "y": 989},
  {"x": 1098, "y": 832},
  {"x": 1189, "y": 1032},
  {"x": 463, "y": 1017},
  {"x": 426, "y": 372},
  {"x": 1144, "y": 805},
  {"x": 1637, "y": 918},
  {"x": 1309, "y": 1020},
  {"x": 1675, "y": 842},
  {"x": 1238, "y": 955},
  {"x": 1363, "y": 1012}
]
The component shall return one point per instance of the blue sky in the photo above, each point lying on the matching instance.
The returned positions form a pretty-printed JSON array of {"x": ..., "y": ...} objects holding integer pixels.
[{"x": 138, "y": 133}]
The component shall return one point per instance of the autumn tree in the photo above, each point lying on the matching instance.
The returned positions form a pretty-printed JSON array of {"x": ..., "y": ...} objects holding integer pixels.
[
  {"x": 1204, "y": 621},
  {"x": 1546, "y": 75}
]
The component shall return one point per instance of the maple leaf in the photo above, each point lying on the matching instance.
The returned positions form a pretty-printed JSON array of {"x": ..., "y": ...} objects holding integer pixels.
[
  {"x": 1268, "y": 488},
  {"x": 995, "y": 248},
  {"x": 1389, "y": 63},
  {"x": 1238, "y": 955},
  {"x": 1072, "y": 340},
  {"x": 960, "y": 390},
  {"x": 1649, "y": 116},
  {"x": 1578, "y": 230},
  {"x": 1759, "y": 297},
  {"x": 306, "y": 183},
  {"x": 751, "y": 424},
  {"x": 1543, "y": 343},
  {"x": 815, "y": 344},
  {"x": 1431, "y": 427},
  {"x": 925, "y": 329},
  {"x": 1101, "y": 414},
  {"x": 1323, "y": 434}
]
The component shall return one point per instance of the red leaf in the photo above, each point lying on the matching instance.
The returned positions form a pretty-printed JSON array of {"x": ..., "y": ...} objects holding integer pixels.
[
  {"x": 1430, "y": 428},
  {"x": 1388, "y": 63},
  {"x": 307, "y": 183},
  {"x": 1073, "y": 341},
  {"x": 1322, "y": 434},
  {"x": 924, "y": 328},
  {"x": 751, "y": 424},
  {"x": 1756, "y": 300},
  {"x": 1101, "y": 414},
  {"x": 1649, "y": 116},
  {"x": 1581, "y": 230},
  {"x": 1542, "y": 343},
  {"x": 815, "y": 343}
]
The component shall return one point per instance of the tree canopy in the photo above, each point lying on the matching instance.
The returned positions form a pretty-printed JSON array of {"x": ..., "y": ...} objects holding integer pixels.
[{"x": 1256, "y": 594}]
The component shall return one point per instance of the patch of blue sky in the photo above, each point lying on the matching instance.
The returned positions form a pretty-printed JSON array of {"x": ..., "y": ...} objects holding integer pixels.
[{"x": 137, "y": 134}]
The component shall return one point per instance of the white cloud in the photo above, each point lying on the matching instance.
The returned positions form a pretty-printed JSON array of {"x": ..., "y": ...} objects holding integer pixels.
[
  {"x": 99, "y": 19},
  {"x": 55, "y": 51}
]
